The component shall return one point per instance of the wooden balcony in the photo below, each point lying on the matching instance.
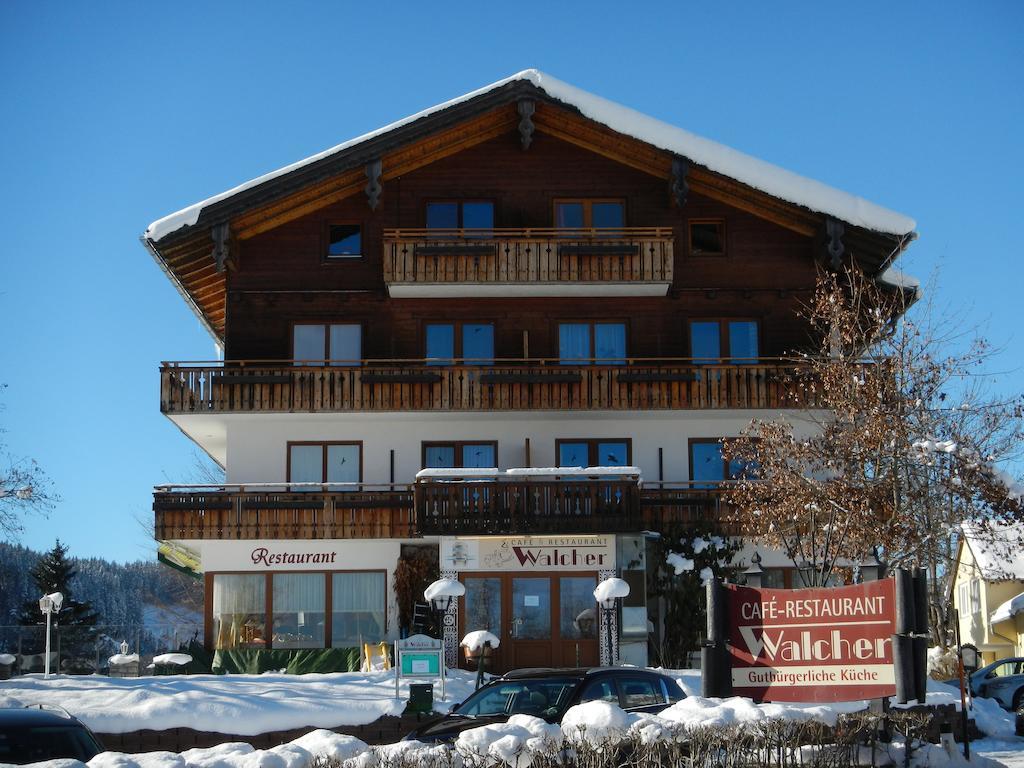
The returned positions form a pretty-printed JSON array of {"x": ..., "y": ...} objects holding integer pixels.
[
  {"x": 508, "y": 385},
  {"x": 633, "y": 261},
  {"x": 426, "y": 509}
]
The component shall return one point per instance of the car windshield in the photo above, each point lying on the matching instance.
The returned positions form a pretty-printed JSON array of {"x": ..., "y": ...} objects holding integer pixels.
[
  {"x": 542, "y": 697},
  {"x": 46, "y": 742}
]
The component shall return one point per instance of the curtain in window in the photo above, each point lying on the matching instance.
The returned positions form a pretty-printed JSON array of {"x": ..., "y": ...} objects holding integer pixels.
[
  {"x": 299, "y": 600},
  {"x": 478, "y": 343},
  {"x": 308, "y": 344},
  {"x": 306, "y": 465},
  {"x": 708, "y": 468},
  {"x": 573, "y": 342},
  {"x": 569, "y": 215},
  {"x": 479, "y": 456},
  {"x": 573, "y": 454},
  {"x": 343, "y": 466},
  {"x": 357, "y": 608},
  {"x": 440, "y": 344},
  {"x": 743, "y": 341},
  {"x": 439, "y": 456},
  {"x": 346, "y": 344},
  {"x": 610, "y": 343},
  {"x": 239, "y": 610},
  {"x": 705, "y": 344}
]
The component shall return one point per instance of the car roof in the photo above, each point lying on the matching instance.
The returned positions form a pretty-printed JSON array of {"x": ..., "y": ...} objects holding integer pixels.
[
  {"x": 30, "y": 716},
  {"x": 575, "y": 672}
]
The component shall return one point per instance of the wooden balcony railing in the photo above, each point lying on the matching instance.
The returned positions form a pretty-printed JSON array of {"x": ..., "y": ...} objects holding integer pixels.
[
  {"x": 426, "y": 509},
  {"x": 528, "y": 256},
  {"x": 418, "y": 385}
]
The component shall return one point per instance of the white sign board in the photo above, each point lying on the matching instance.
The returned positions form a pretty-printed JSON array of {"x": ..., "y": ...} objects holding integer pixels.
[{"x": 528, "y": 553}]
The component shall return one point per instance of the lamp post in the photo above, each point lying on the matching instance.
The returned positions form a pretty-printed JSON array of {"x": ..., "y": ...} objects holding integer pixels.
[
  {"x": 49, "y": 604},
  {"x": 440, "y": 595},
  {"x": 607, "y": 593}
]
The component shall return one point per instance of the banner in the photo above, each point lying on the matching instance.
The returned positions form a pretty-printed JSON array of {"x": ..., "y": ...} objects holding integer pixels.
[{"x": 812, "y": 645}]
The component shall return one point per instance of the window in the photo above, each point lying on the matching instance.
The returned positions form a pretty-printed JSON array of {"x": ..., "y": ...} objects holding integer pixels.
[
  {"x": 707, "y": 237},
  {"x": 640, "y": 692},
  {"x": 239, "y": 610},
  {"x": 341, "y": 344},
  {"x": 587, "y": 214},
  {"x": 975, "y": 601},
  {"x": 472, "y": 342},
  {"x": 344, "y": 241},
  {"x": 482, "y": 455},
  {"x": 600, "y": 690},
  {"x": 604, "y": 452},
  {"x": 579, "y": 343},
  {"x": 708, "y": 467},
  {"x": 325, "y": 463},
  {"x": 713, "y": 340},
  {"x": 299, "y": 601},
  {"x": 462, "y": 214},
  {"x": 357, "y": 608}
]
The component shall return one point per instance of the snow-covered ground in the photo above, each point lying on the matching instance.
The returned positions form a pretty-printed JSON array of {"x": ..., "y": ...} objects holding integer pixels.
[{"x": 251, "y": 704}]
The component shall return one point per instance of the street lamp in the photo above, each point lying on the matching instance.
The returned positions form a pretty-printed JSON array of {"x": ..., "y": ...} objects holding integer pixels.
[
  {"x": 49, "y": 604},
  {"x": 607, "y": 593},
  {"x": 440, "y": 595}
]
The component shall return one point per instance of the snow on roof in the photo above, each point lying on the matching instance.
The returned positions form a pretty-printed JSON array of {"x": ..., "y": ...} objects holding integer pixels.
[
  {"x": 998, "y": 550},
  {"x": 898, "y": 279},
  {"x": 744, "y": 168},
  {"x": 1008, "y": 610}
]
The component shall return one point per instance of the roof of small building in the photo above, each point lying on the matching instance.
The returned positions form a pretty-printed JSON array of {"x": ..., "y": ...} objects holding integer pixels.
[{"x": 756, "y": 173}]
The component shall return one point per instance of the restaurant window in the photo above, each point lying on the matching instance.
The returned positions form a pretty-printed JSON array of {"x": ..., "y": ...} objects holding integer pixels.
[
  {"x": 734, "y": 341},
  {"x": 344, "y": 241},
  {"x": 472, "y": 343},
  {"x": 462, "y": 214},
  {"x": 708, "y": 467},
  {"x": 590, "y": 214},
  {"x": 603, "y": 452},
  {"x": 707, "y": 237},
  {"x": 451, "y": 455},
  {"x": 325, "y": 463},
  {"x": 357, "y": 608},
  {"x": 604, "y": 343},
  {"x": 299, "y": 600},
  {"x": 338, "y": 343},
  {"x": 239, "y": 610}
]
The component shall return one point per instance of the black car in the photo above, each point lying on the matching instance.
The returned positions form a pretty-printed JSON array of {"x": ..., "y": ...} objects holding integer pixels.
[
  {"x": 31, "y": 735},
  {"x": 548, "y": 694}
]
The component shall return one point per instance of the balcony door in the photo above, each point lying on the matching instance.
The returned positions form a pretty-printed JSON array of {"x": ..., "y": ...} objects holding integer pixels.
[{"x": 542, "y": 620}]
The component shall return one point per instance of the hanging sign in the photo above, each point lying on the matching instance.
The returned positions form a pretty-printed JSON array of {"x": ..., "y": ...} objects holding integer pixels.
[
  {"x": 528, "y": 553},
  {"x": 812, "y": 645}
]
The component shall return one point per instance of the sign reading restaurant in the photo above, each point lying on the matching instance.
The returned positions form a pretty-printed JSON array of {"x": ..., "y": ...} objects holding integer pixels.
[
  {"x": 528, "y": 553},
  {"x": 813, "y": 645}
]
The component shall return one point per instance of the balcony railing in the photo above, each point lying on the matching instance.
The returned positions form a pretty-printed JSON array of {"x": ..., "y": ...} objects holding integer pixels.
[
  {"x": 419, "y": 385},
  {"x": 427, "y": 509},
  {"x": 537, "y": 256}
]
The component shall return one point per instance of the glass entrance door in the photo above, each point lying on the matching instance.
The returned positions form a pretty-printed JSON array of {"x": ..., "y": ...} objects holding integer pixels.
[
  {"x": 530, "y": 621},
  {"x": 482, "y": 610}
]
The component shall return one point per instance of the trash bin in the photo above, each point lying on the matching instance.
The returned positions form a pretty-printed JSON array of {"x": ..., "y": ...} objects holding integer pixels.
[{"x": 421, "y": 697}]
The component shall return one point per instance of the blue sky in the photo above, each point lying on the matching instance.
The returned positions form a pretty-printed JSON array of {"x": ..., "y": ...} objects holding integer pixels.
[{"x": 119, "y": 113}]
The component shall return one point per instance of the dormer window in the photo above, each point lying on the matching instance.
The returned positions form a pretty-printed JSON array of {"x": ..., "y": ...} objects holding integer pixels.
[
  {"x": 344, "y": 241},
  {"x": 707, "y": 237}
]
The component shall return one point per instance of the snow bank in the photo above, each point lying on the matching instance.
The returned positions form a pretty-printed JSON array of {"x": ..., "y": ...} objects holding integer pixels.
[
  {"x": 749, "y": 170},
  {"x": 699, "y": 711},
  {"x": 596, "y": 723},
  {"x": 177, "y": 659},
  {"x": 334, "y": 745},
  {"x": 124, "y": 658},
  {"x": 514, "y": 743}
]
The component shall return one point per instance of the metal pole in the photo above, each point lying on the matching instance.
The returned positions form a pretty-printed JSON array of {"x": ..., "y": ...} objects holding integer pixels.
[
  {"x": 46, "y": 662},
  {"x": 963, "y": 692}
]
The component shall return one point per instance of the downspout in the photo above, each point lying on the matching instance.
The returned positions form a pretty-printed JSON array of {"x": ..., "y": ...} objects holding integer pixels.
[{"x": 181, "y": 289}]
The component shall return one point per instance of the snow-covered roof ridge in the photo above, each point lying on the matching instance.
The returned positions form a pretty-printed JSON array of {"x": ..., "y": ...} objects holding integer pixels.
[{"x": 749, "y": 170}]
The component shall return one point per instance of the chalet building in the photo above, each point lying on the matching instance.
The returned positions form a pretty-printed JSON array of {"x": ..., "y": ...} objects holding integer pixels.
[{"x": 557, "y": 304}]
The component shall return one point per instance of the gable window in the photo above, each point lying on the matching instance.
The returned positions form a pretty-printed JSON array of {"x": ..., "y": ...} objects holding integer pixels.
[
  {"x": 344, "y": 241},
  {"x": 708, "y": 468},
  {"x": 473, "y": 343},
  {"x": 599, "y": 452},
  {"x": 461, "y": 214},
  {"x": 331, "y": 463},
  {"x": 339, "y": 344},
  {"x": 707, "y": 237},
  {"x": 460, "y": 454},
  {"x": 590, "y": 214},
  {"x": 581, "y": 342},
  {"x": 736, "y": 341}
]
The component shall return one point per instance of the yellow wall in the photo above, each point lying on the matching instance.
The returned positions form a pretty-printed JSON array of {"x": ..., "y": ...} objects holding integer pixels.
[{"x": 974, "y": 626}]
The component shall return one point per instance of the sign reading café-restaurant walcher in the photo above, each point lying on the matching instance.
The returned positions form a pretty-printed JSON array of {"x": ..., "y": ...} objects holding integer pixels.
[{"x": 812, "y": 645}]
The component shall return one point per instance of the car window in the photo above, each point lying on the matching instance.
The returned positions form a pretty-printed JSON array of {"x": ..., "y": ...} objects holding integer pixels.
[
  {"x": 1006, "y": 669},
  {"x": 640, "y": 692},
  {"x": 600, "y": 690},
  {"x": 523, "y": 697},
  {"x": 35, "y": 744}
]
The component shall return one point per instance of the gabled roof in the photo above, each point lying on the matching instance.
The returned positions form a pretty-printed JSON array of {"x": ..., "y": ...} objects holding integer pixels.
[
  {"x": 761, "y": 175},
  {"x": 998, "y": 550}
]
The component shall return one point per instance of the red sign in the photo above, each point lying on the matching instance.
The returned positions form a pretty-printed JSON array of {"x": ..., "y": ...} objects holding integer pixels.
[{"x": 813, "y": 645}]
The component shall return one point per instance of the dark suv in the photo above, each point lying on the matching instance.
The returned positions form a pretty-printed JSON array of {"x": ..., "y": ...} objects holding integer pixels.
[
  {"x": 548, "y": 694},
  {"x": 31, "y": 735}
]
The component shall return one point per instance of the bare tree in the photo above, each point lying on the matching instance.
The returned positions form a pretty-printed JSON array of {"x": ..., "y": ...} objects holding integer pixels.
[
  {"x": 901, "y": 447},
  {"x": 24, "y": 489}
]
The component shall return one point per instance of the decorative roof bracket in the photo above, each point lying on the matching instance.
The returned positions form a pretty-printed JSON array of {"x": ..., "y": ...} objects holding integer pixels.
[
  {"x": 526, "y": 109},
  {"x": 679, "y": 188},
  {"x": 834, "y": 230},
  {"x": 373, "y": 187},
  {"x": 221, "y": 235}
]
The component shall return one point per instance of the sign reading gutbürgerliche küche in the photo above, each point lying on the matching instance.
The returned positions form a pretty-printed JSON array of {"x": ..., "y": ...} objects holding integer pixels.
[{"x": 813, "y": 645}]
